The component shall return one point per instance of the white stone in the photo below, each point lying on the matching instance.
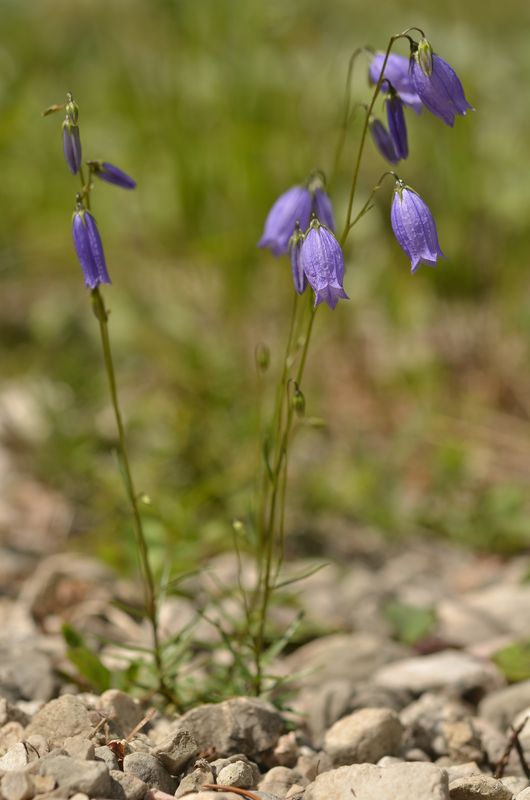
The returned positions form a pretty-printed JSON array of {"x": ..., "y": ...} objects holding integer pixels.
[{"x": 412, "y": 781}]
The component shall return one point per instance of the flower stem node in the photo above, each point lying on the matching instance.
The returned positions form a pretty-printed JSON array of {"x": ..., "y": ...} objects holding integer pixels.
[
  {"x": 322, "y": 262},
  {"x": 89, "y": 248},
  {"x": 414, "y": 227},
  {"x": 111, "y": 174}
]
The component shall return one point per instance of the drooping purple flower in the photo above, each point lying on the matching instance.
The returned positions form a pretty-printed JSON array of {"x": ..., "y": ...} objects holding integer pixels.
[
  {"x": 383, "y": 141},
  {"x": 441, "y": 92},
  {"x": 396, "y": 124},
  {"x": 296, "y": 205},
  {"x": 397, "y": 73},
  {"x": 72, "y": 146},
  {"x": 295, "y": 248},
  {"x": 89, "y": 249},
  {"x": 322, "y": 262},
  {"x": 322, "y": 209},
  {"x": 414, "y": 227},
  {"x": 112, "y": 174},
  {"x": 291, "y": 207}
]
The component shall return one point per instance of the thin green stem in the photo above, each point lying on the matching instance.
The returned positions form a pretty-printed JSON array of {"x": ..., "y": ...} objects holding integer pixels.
[
  {"x": 150, "y": 597},
  {"x": 357, "y": 165},
  {"x": 277, "y": 492}
]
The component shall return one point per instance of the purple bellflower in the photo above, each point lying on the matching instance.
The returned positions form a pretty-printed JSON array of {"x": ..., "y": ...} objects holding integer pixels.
[
  {"x": 397, "y": 125},
  {"x": 397, "y": 73},
  {"x": 322, "y": 262},
  {"x": 89, "y": 249},
  {"x": 438, "y": 85},
  {"x": 295, "y": 249},
  {"x": 291, "y": 207},
  {"x": 323, "y": 209},
  {"x": 414, "y": 227},
  {"x": 383, "y": 141},
  {"x": 72, "y": 146},
  {"x": 111, "y": 174},
  {"x": 296, "y": 205}
]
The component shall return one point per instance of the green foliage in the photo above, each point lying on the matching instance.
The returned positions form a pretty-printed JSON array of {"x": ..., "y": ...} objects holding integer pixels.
[
  {"x": 514, "y": 661},
  {"x": 410, "y": 623}
]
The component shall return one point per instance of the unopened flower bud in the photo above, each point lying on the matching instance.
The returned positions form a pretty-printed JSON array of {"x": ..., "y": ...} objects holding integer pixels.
[
  {"x": 298, "y": 401},
  {"x": 72, "y": 146},
  {"x": 295, "y": 246},
  {"x": 111, "y": 174},
  {"x": 89, "y": 248},
  {"x": 262, "y": 356}
]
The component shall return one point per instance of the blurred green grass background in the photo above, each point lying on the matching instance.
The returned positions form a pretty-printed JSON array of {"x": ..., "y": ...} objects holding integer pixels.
[{"x": 216, "y": 107}]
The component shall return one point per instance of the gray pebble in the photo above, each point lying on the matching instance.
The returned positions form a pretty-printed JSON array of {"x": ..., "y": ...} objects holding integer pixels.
[
  {"x": 150, "y": 771},
  {"x": 108, "y": 756},
  {"x": 239, "y": 774},
  {"x": 176, "y": 750},
  {"x": 17, "y": 786},
  {"x": 126, "y": 786},
  {"x": 89, "y": 777},
  {"x": 79, "y": 747}
]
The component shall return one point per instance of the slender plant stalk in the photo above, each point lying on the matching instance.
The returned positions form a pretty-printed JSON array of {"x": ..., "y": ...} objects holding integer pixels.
[
  {"x": 150, "y": 596},
  {"x": 272, "y": 509},
  {"x": 348, "y": 224}
]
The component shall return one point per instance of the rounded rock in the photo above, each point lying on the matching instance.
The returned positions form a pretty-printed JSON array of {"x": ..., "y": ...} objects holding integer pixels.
[{"x": 364, "y": 737}]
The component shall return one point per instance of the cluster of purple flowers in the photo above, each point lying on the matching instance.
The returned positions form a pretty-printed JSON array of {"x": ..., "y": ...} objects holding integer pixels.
[
  {"x": 301, "y": 220},
  {"x": 422, "y": 81},
  {"x": 87, "y": 241}
]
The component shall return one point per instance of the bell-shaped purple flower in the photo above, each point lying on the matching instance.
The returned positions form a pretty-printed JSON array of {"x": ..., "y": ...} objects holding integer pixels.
[
  {"x": 322, "y": 262},
  {"x": 295, "y": 248},
  {"x": 293, "y": 206},
  {"x": 72, "y": 146},
  {"x": 397, "y": 125},
  {"x": 441, "y": 92},
  {"x": 322, "y": 209},
  {"x": 414, "y": 227},
  {"x": 383, "y": 141},
  {"x": 397, "y": 73},
  {"x": 89, "y": 249},
  {"x": 112, "y": 174}
]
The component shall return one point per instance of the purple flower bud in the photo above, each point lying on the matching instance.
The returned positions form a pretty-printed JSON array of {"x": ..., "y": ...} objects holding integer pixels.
[
  {"x": 414, "y": 227},
  {"x": 383, "y": 141},
  {"x": 72, "y": 146},
  {"x": 322, "y": 261},
  {"x": 295, "y": 247},
  {"x": 397, "y": 73},
  {"x": 441, "y": 92},
  {"x": 396, "y": 125},
  {"x": 111, "y": 174},
  {"x": 89, "y": 249}
]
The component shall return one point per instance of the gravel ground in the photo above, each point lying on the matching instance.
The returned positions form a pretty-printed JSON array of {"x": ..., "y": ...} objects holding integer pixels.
[{"x": 371, "y": 718}]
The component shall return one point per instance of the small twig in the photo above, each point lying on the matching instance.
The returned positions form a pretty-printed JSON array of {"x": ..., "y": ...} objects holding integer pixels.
[
  {"x": 513, "y": 741},
  {"x": 218, "y": 787}
]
